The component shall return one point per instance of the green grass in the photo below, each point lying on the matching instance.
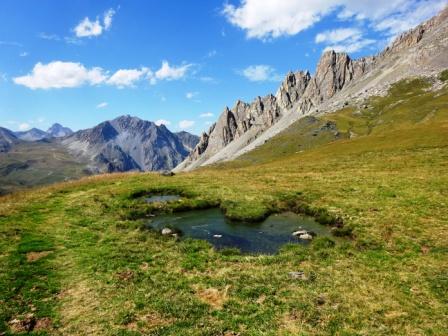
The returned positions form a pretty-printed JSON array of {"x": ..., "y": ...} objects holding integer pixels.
[{"x": 107, "y": 276}]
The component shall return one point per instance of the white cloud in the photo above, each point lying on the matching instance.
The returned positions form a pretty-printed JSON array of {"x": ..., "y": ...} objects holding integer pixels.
[
  {"x": 50, "y": 37},
  {"x": 127, "y": 77},
  {"x": 24, "y": 126},
  {"x": 212, "y": 53},
  {"x": 260, "y": 73},
  {"x": 57, "y": 74},
  {"x": 338, "y": 35},
  {"x": 90, "y": 28},
  {"x": 107, "y": 20},
  {"x": 87, "y": 28},
  {"x": 23, "y": 54},
  {"x": 350, "y": 46},
  {"x": 267, "y": 19},
  {"x": 343, "y": 40},
  {"x": 11, "y": 43},
  {"x": 162, "y": 122},
  {"x": 186, "y": 124},
  {"x": 191, "y": 95},
  {"x": 102, "y": 105},
  {"x": 169, "y": 73},
  {"x": 208, "y": 79},
  {"x": 206, "y": 115}
]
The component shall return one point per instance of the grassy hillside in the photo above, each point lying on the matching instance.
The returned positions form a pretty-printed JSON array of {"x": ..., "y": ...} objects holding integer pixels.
[
  {"x": 75, "y": 260},
  {"x": 36, "y": 163}
]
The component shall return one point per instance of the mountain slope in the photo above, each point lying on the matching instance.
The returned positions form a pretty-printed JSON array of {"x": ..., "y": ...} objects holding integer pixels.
[
  {"x": 338, "y": 78},
  {"x": 129, "y": 143},
  {"x": 7, "y": 139}
]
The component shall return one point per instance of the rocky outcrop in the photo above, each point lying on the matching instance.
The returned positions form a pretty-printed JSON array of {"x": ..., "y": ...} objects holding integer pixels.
[
  {"x": 129, "y": 143},
  {"x": 299, "y": 93},
  {"x": 412, "y": 37},
  {"x": 337, "y": 78}
]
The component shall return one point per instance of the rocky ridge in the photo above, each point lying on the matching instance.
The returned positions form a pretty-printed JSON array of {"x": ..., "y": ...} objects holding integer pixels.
[
  {"x": 35, "y": 134},
  {"x": 338, "y": 79}
]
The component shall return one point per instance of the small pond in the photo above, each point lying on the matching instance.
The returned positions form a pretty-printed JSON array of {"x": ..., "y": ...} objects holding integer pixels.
[
  {"x": 162, "y": 198},
  {"x": 263, "y": 237}
]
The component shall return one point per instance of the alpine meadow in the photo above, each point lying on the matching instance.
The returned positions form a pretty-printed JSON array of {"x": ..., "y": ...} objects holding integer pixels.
[{"x": 316, "y": 205}]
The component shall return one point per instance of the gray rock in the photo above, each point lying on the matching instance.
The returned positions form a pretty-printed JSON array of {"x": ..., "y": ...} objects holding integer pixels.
[
  {"x": 300, "y": 275},
  {"x": 167, "y": 232},
  {"x": 299, "y": 232},
  {"x": 306, "y": 236}
]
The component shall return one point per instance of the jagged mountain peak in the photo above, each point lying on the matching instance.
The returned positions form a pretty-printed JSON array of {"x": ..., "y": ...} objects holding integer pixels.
[{"x": 337, "y": 77}]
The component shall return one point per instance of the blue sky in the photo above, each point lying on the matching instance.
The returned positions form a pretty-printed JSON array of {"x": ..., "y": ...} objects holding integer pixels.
[{"x": 82, "y": 62}]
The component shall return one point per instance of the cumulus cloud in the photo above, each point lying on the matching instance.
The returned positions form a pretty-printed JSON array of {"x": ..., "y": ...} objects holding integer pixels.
[
  {"x": 260, "y": 73},
  {"x": 186, "y": 124},
  {"x": 169, "y": 73},
  {"x": 343, "y": 40},
  {"x": 268, "y": 19},
  {"x": 127, "y": 77},
  {"x": 102, "y": 105},
  {"x": 57, "y": 74},
  {"x": 90, "y": 28},
  {"x": 162, "y": 122},
  {"x": 206, "y": 115}
]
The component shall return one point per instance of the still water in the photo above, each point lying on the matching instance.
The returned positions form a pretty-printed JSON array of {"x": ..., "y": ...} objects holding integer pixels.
[{"x": 263, "y": 237}]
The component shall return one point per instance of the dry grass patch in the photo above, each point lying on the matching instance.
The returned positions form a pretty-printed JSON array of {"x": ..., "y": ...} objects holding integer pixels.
[
  {"x": 212, "y": 296},
  {"x": 34, "y": 256}
]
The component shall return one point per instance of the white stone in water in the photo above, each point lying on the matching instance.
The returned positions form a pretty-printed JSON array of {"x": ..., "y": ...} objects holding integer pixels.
[
  {"x": 299, "y": 233},
  {"x": 306, "y": 236},
  {"x": 166, "y": 231}
]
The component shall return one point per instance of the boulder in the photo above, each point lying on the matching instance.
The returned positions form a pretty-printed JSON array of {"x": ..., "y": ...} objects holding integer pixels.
[
  {"x": 306, "y": 236},
  {"x": 167, "y": 231}
]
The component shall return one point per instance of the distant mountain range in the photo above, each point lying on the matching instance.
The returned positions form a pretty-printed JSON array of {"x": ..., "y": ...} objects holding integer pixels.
[
  {"x": 122, "y": 144},
  {"x": 34, "y": 134}
]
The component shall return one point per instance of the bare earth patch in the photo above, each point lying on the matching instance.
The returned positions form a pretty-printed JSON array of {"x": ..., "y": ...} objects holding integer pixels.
[{"x": 34, "y": 256}]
